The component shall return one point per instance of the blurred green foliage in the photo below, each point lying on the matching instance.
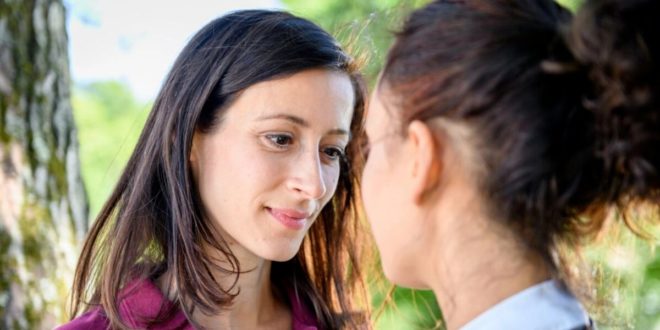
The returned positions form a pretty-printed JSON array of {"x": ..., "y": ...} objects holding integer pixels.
[
  {"x": 624, "y": 284},
  {"x": 109, "y": 120},
  {"x": 364, "y": 27},
  {"x": 648, "y": 307},
  {"x": 571, "y": 4}
]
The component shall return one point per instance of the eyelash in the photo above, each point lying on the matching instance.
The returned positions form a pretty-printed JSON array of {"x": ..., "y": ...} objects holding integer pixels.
[
  {"x": 365, "y": 147},
  {"x": 338, "y": 153},
  {"x": 282, "y": 141},
  {"x": 273, "y": 137}
]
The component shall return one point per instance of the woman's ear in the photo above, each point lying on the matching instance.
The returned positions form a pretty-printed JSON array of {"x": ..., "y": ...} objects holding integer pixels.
[
  {"x": 426, "y": 153},
  {"x": 194, "y": 147}
]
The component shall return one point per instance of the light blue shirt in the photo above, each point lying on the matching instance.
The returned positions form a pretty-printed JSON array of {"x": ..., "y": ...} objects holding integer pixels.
[{"x": 545, "y": 306}]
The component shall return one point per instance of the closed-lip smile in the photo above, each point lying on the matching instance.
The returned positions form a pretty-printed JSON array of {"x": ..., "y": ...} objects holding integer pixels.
[{"x": 290, "y": 218}]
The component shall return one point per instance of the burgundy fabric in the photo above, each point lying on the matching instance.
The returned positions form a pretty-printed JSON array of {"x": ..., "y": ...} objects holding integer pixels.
[
  {"x": 142, "y": 301},
  {"x": 302, "y": 319}
]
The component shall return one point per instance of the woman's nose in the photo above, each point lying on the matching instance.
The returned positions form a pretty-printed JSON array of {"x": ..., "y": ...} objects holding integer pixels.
[{"x": 307, "y": 176}]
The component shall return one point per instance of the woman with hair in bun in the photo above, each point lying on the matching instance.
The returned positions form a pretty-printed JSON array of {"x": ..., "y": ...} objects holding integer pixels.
[
  {"x": 237, "y": 208},
  {"x": 507, "y": 127}
]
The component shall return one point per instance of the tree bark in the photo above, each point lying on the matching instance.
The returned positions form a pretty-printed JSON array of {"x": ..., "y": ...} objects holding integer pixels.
[{"x": 43, "y": 206}]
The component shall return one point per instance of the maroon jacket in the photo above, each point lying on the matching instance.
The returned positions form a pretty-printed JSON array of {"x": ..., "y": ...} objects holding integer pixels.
[{"x": 143, "y": 302}]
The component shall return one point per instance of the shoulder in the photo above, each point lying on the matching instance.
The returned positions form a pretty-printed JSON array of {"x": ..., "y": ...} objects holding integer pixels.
[
  {"x": 141, "y": 303},
  {"x": 93, "y": 319}
]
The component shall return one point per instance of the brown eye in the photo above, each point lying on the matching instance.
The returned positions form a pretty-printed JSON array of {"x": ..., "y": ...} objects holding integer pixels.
[
  {"x": 280, "y": 140},
  {"x": 365, "y": 147},
  {"x": 334, "y": 153}
]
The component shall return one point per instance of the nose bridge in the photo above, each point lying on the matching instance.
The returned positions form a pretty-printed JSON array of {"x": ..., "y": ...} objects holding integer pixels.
[{"x": 308, "y": 175}]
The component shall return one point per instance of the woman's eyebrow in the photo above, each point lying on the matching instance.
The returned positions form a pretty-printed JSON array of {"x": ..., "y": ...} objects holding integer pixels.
[
  {"x": 301, "y": 122},
  {"x": 339, "y": 131},
  {"x": 292, "y": 118}
]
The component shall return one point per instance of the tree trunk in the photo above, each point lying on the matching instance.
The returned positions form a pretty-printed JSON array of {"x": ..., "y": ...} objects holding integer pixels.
[{"x": 43, "y": 206}]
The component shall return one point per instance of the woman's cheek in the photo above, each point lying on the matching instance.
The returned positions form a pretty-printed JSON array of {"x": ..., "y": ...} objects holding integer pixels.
[{"x": 332, "y": 179}]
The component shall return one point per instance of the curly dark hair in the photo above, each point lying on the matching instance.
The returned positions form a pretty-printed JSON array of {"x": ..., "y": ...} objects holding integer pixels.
[{"x": 564, "y": 109}]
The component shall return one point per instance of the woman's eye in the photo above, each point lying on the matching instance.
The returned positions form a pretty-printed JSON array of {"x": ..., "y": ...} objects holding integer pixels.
[
  {"x": 334, "y": 153},
  {"x": 364, "y": 147},
  {"x": 279, "y": 140}
]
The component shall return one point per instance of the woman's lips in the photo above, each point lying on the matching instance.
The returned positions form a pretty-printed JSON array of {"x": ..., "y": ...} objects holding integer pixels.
[{"x": 290, "y": 218}]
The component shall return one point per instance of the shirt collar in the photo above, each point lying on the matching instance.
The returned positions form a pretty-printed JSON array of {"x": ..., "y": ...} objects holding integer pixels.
[{"x": 543, "y": 306}]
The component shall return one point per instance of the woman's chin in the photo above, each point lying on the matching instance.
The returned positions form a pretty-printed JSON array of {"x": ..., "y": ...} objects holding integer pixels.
[
  {"x": 402, "y": 276},
  {"x": 282, "y": 253}
]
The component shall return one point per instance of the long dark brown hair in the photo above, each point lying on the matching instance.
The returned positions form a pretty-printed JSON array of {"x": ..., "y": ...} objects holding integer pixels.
[
  {"x": 153, "y": 222},
  {"x": 563, "y": 110}
]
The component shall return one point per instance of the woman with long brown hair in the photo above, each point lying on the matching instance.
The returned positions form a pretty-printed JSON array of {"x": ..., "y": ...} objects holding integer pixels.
[
  {"x": 237, "y": 209},
  {"x": 510, "y": 128}
]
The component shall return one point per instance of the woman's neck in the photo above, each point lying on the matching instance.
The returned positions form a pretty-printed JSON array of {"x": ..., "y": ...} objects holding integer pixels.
[
  {"x": 478, "y": 264},
  {"x": 255, "y": 306}
]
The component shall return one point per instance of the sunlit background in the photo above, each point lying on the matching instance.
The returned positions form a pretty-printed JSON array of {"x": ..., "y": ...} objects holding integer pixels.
[{"x": 121, "y": 50}]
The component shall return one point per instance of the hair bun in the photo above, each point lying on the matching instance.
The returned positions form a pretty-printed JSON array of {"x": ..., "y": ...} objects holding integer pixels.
[{"x": 617, "y": 41}]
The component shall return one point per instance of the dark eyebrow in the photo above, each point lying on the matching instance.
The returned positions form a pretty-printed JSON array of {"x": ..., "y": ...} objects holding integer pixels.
[
  {"x": 294, "y": 119},
  {"x": 302, "y": 122},
  {"x": 339, "y": 131}
]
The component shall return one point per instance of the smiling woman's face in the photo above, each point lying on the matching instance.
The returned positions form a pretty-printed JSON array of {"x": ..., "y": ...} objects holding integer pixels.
[{"x": 273, "y": 162}]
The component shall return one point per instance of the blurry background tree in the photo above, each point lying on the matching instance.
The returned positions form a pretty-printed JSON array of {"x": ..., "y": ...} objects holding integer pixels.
[{"x": 43, "y": 208}]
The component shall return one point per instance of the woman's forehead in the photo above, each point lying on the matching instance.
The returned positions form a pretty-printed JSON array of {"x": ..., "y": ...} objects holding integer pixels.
[{"x": 312, "y": 98}]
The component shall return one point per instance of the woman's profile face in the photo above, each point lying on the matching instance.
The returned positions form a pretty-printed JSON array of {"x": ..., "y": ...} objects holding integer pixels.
[
  {"x": 273, "y": 161},
  {"x": 386, "y": 204}
]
